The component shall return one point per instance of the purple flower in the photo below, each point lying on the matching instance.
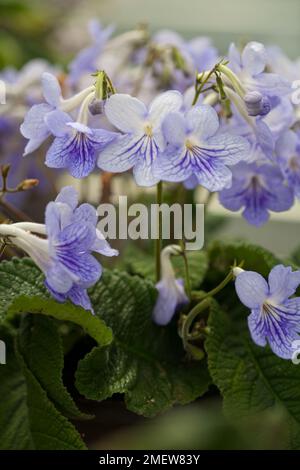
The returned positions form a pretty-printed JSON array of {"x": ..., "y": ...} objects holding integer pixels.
[
  {"x": 76, "y": 146},
  {"x": 197, "y": 147},
  {"x": 72, "y": 236},
  {"x": 257, "y": 189},
  {"x": 142, "y": 137},
  {"x": 65, "y": 256},
  {"x": 34, "y": 127},
  {"x": 275, "y": 317},
  {"x": 85, "y": 62},
  {"x": 249, "y": 67},
  {"x": 288, "y": 158},
  {"x": 171, "y": 294}
]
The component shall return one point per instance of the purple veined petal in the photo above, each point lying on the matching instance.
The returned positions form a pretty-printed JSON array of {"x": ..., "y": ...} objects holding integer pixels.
[
  {"x": 202, "y": 121},
  {"x": 82, "y": 158},
  {"x": 280, "y": 336},
  {"x": 57, "y": 155},
  {"x": 254, "y": 58},
  {"x": 252, "y": 289},
  {"x": 56, "y": 217},
  {"x": 56, "y": 121},
  {"x": 84, "y": 266},
  {"x": 256, "y": 215},
  {"x": 76, "y": 238},
  {"x": 286, "y": 144},
  {"x": 51, "y": 89},
  {"x": 56, "y": 295},
  {"x": 126, "y": 113},
  {"x": 173, "y": 165},
  {"x": 174, "y": 129},
  {"x": 102, "y": 246},
  {"x": 233, "y": 198},
  {"x": 162, "y": 105},
  {"x": 85, "y": 213},
  {"x": 144, "y": 174},
  {"x": 121, "y": 154},
  {"x": 282, "y": 199},
  {"x": 59, "y": 279},
  {"x": 234, "y": 57},
  {"x": 79, "y": 296},
  {"x": 212, "y": 173},
  {"x": 230, "y": 148},
  {"x": 170, "y": 296},
  {"x": 257, "y": 327},
  {"x": 293, "y": 310},
  {"x": 283, "y": 283},
  {"x": 68, "y": 195},
  {"x": 103, "y": 137}
]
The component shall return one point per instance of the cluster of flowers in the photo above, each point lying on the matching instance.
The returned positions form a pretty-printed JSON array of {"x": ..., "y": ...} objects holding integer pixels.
[
  {"x": 250, "y": 156},
  {"x": 235, "y": 131}
]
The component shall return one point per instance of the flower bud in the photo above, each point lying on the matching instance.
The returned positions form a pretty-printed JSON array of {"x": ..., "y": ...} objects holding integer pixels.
[
  {"x": 96, "y": 107},
  {"x": 257, "y": 104},
  {"x": 27, "y": 184}
]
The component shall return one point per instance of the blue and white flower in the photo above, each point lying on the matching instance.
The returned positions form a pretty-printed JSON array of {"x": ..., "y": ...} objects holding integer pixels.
[
  {"x": 142, "y": 139},
  {"x": 76, "y": 146},
  {"x": 257, "y": 189},
  {"x": 65, "y": 256},
  {"x": 197, "y": 147},
  {"x": 275, "y": 317}
]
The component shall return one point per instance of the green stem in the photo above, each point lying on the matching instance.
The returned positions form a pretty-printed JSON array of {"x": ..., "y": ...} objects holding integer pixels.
[
  {"x": 199, "y": 308},
  {"x": 158, "y": 242}
]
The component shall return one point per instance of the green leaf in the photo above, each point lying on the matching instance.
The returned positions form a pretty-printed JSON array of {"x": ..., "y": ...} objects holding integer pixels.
[
  {"x": 19, "y": 277},
  {"x": 142, "y": 264},
  {"x": 145, "y": 361},
  {"x": 94, "y": 326},
  {"x": 29, "y": 420},
  {"x": 222, "y": 256},
  {"x": 251, "y": 379},
  {"x": 41, "y": 347}
]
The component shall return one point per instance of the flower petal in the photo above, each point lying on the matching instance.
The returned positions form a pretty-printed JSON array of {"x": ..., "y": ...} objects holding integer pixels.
[
  {"x": 257, "y": 327},
  {"x": 254, "y": 57},
  {"x": 230, "y": 148},
  {"x": 59, "y": 279},
  {"x": 283, "y": 283},
  {"x": 102, "y": 246},
  {"x": 126, "y": 113},
  {"x": 56, "y": 121},
  {"x": 173, "y": 128},
  {"x": 68, "y": 195},
  {"x": 79, "y": 296},
  {"x": 212, "y": 173},
  {"x": 144, "y": 174},
  {"x": 203, "y": 121},
  {"x": 251, "y": 288},
  {"x": 121, "y": 154},
  {"x": 170, "y": 296},
  {"x": 51, "y": 89},
  {"x": 163, "y": 104},
  {"x": 75, "y": 238},
  {"x": 173, "y": 165}
]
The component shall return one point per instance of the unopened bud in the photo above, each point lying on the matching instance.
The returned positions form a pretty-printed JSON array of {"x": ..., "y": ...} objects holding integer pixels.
[
  {"x": 5, "y": 170},
  {"x": 96, "y": 107},
  {"x": 257, "y": 104},
  {"x": 27, "y": 184}
]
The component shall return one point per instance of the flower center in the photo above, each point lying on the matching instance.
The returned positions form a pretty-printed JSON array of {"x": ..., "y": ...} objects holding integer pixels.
[
  {"x": 148, "y": 129},
  {"x": 269, "y": 309}
]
